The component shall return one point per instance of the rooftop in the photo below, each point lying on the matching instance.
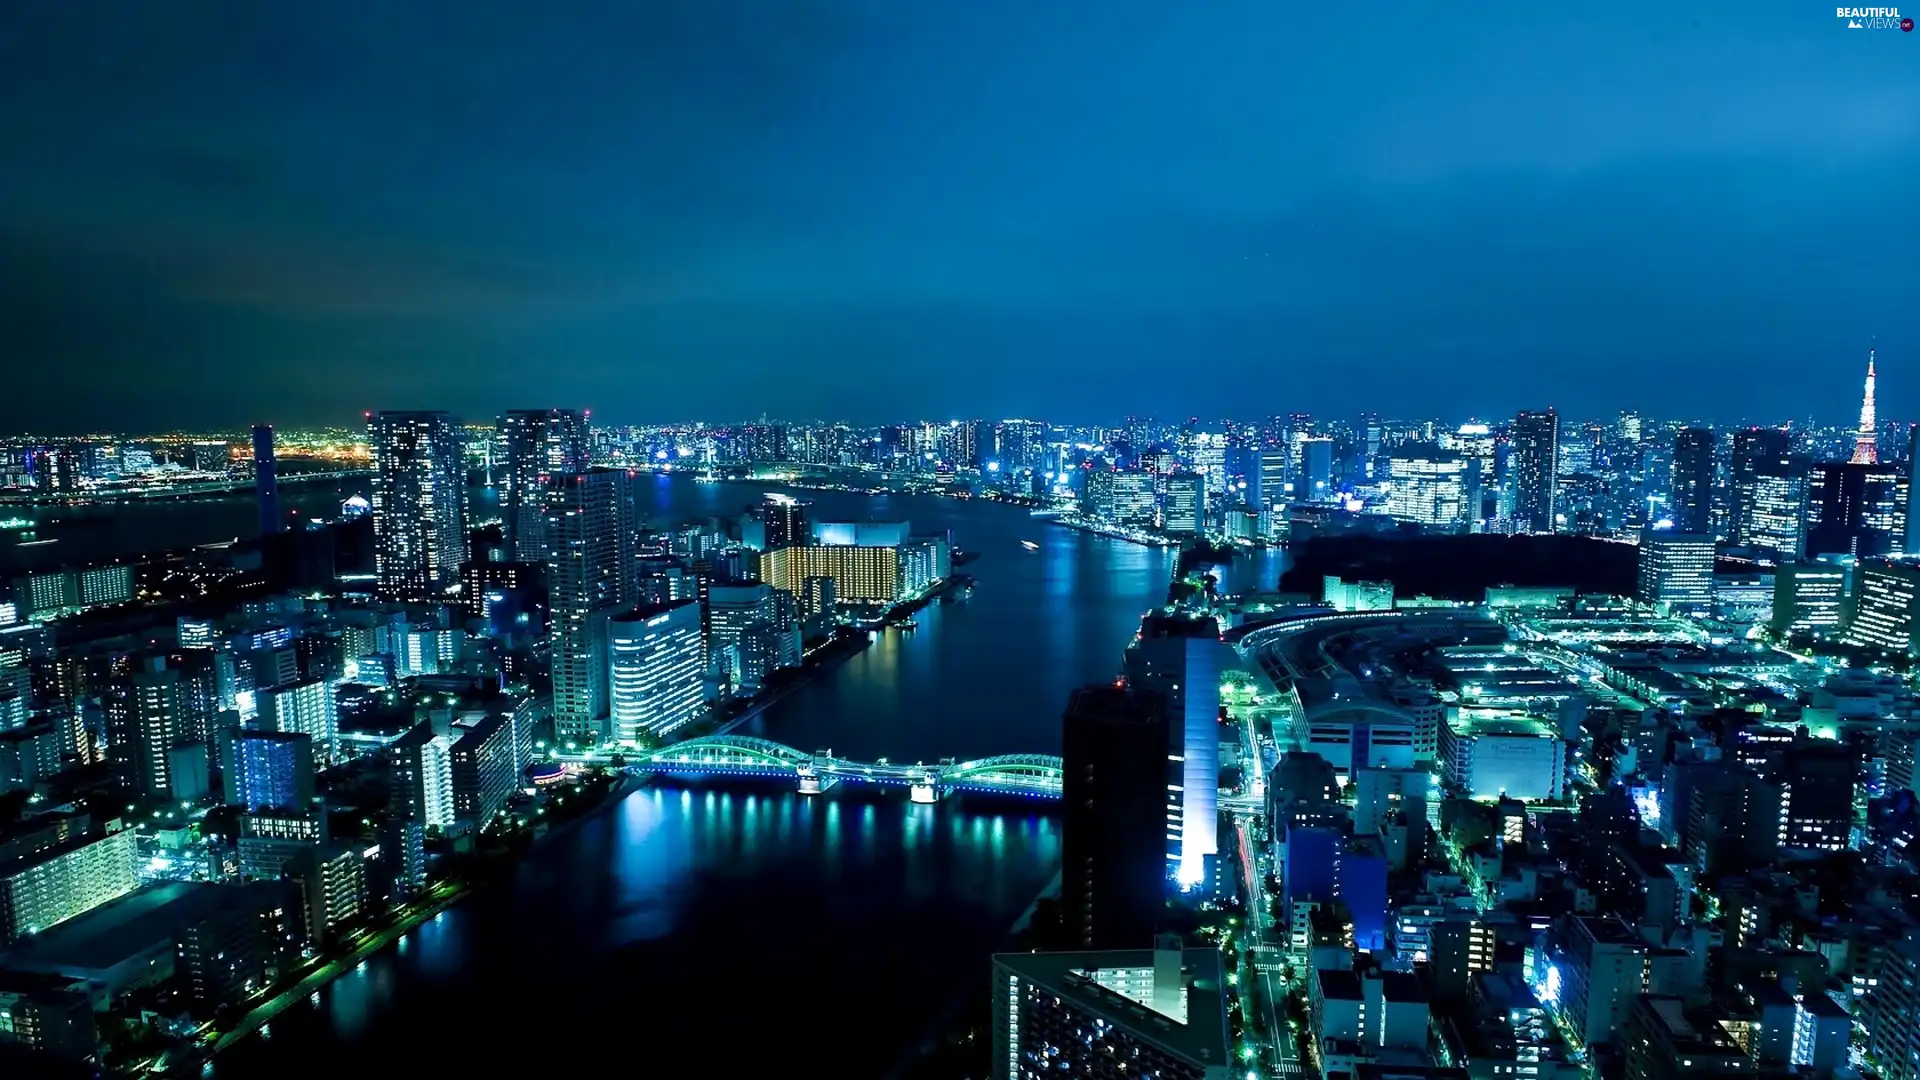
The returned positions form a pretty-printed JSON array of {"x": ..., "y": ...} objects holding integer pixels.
[{"x": 1202, "y": 1039}]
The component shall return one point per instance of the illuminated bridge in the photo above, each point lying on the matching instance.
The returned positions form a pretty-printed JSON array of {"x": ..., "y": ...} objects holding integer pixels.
[{"x": 1032, "y": 775}]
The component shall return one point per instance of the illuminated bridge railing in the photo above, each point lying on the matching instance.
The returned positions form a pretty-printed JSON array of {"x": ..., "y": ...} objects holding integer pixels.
[{"x": 1034, "y": 775}]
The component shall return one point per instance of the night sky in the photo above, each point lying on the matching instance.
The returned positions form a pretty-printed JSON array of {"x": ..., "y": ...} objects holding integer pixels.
[{"x": 212, "y": 213}]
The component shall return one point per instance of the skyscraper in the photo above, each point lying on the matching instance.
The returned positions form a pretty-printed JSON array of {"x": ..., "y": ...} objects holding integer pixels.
[
  {"x": 145, "y": 718},
  {"x": 266, "y": 483},
  {"x": 535, "y": 444},
  {"x": 586, "y": 584},
  {"x": 786, "y": 520},
  {"x": 655, "y": 670},
  {"x": 1856, "y": 509},
  {"x": 1177, "y": 658},
  {"x": 419, "y": 504},
  {"x": 1113, "y": 837},
  {"x": 1535, "y": 449},
  {"x": 1754, "y": 450},
  {"x": 1693, "y": 481}
]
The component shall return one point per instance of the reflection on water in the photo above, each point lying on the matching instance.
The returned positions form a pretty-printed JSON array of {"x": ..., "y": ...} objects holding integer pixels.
[{"x": 848, "y": 921}]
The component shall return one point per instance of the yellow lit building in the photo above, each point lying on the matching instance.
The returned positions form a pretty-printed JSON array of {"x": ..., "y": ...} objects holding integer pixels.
[{"x": 861, "y": 575}]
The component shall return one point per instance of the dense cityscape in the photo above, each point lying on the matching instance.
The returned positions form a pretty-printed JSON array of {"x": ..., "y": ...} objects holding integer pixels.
[{"x": 1522, "y": 746}]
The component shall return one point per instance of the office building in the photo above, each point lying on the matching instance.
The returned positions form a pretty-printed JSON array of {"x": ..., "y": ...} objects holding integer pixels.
[
  {"x": 1113, "y": 836},
  {"x": 1808, "y": 597},
  {"x": 266, "y": 483},
  {"x": 303, "y": 707},
  {"x": 1758, "y": 453},
  {"x": 655, "y": 670},
  {"x": 1676, "y": 571},
  {"x": 69, "y": 878},
  {"x": 1184, "y": 513},
  {"x": 1428, "y": 486},
  {"x": 1856, "y": 509},
  {"x": 586, "y": 584},
  {"x": 1817, "y": 784},
  {"x": 1534, "y": 461},
  {"x": 1693, "y": 481},
  {"x": 1664, "y": 1041},
  {"x": 1111, "y": 1014},
  {"x": 262, "y": 769},
  {"x": 419, "y": 504},
  {"x": 1177, "y": 658},
  {"x": 1886, "y": 601},
  {"x": 534, "y": 445},
  {"x": 1316, "y": 469}
]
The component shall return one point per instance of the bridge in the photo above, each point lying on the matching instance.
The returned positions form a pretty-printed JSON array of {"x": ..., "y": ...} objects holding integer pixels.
[{"x": 1031, "y": 775}]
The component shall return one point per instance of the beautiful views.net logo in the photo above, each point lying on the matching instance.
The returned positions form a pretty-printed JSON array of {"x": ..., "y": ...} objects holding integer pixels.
[{"x": 1874, "y": 18}]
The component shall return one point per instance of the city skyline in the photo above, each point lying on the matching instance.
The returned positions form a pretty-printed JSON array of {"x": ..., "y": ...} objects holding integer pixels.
[{"x": 846, "y": 210}]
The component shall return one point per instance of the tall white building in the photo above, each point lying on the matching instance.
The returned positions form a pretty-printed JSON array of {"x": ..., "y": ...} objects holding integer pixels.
[
  {"x": 302, "y": 708},
  {"x": 1428, "y": 487},
  {"x": 585, "y": 586},
  {"x": 419, "y": 504},
  {"x": 655, "y": 670}
]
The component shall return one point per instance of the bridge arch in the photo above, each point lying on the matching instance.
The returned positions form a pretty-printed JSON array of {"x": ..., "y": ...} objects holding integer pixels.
[
  {"x": 1026, "y": 767},
  {"x": 733, "y": 749}
]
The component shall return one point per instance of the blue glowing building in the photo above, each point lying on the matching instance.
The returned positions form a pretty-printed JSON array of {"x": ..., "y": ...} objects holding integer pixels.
[{"x": 1178, "y": 658}]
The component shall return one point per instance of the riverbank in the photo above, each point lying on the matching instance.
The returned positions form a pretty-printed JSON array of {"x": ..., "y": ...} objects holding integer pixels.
[
  {"x": 822, "y": 661},
  {"x": 1114, "y": 532},
  {"x": 443, "y": 896}
]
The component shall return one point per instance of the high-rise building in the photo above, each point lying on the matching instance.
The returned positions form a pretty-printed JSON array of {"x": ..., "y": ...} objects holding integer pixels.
[
  {"x": 266, "y": 483},
  {"x": 586, "y": 584},
  {"x": 1817, "y": 783},
  {"x": 1676, "y": 571},
  {"x": 267, "y": 769},
  {"x": 1693, "y": 481},
  {"x": 1316, "y": 469},
  {"x": 1885, "y": 605},
  {"x": 1771, "y": 509},
  {"x": 1113, "y": 836},
  {"x": 535, "y": 445},
  {"x": 146, "y": 717},
  {"x": 1856, "y": 509},
  {"x": 1429, "y": 486},
  {"x": 482, "y": 768},
  {"x": 422, "y": 769},
  {"x": 655, "y": 670},
  {"x": 419, "y": 504},
  {"x": 1534, "y": 449},
  {"x": 787, "y": 521},
  {"x": 1184, "y": 513},
  {"x": 1178, "y": 659},
  {"x": 303, "y": 707},
  {"x": 1111, "y": 1014},
  {"x": 1808, "y": 597},
  {"x": 1754, "y": 449}
]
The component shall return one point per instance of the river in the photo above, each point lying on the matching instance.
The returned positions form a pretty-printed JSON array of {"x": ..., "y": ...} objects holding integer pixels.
[{"x": 727, "y": 931}]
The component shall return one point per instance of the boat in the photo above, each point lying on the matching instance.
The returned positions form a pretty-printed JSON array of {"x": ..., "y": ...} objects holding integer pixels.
[
  {"x": 1030, "y": 545},
  {"x": 909, "y": 625}
]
